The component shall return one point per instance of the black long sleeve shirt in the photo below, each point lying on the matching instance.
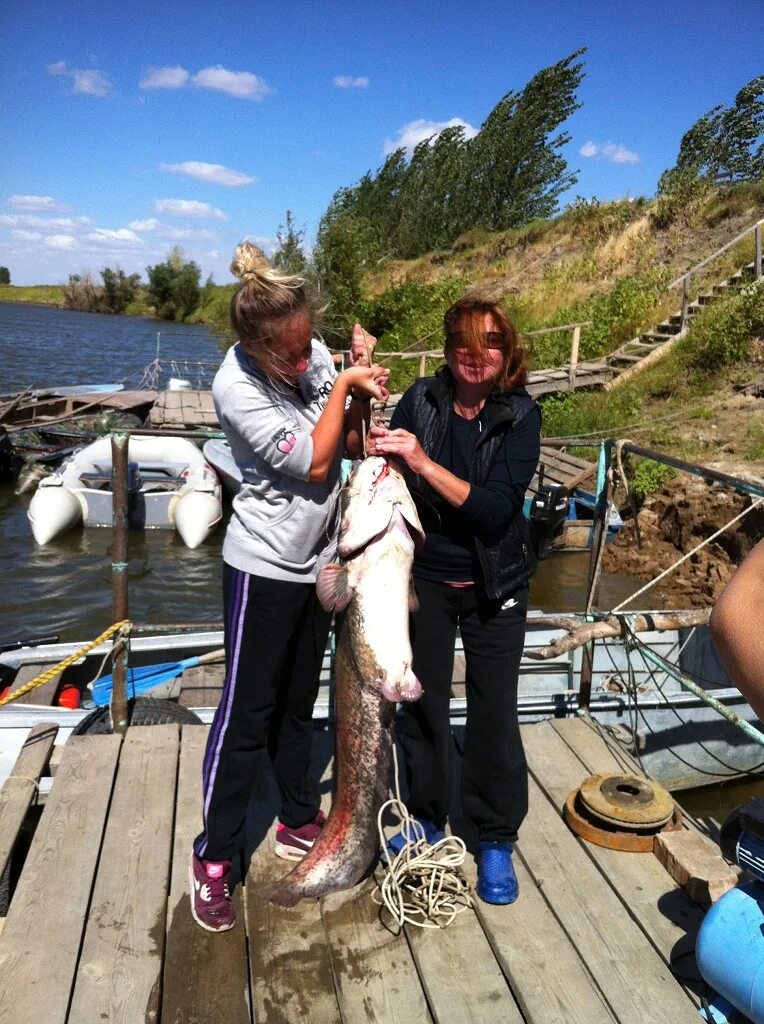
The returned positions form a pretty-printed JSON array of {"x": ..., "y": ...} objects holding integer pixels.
[{"x": 449, "y": 549}]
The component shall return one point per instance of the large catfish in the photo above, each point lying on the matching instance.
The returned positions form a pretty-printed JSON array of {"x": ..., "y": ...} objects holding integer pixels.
[{"x": 378, "y": 533}]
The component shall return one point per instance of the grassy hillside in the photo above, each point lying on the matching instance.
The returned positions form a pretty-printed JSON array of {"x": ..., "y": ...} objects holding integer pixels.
[{"x": 40, "y": 294}]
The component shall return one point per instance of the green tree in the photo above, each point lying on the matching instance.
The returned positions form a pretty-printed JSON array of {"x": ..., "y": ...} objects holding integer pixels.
[
  {"x": 173, "y": 286},
  {"x": 512, "y": 172},
  {"x": 289, "y": 255},
  {"x": 118, "y": 289},
  {"x": 727, "y": 143},
  {"x": 5, "y": 275}
]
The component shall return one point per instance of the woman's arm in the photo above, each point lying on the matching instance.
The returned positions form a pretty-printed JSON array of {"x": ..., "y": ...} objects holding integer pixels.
[
  {"x": 367, "y": 381},
  {"x": 737, "y": 626}
]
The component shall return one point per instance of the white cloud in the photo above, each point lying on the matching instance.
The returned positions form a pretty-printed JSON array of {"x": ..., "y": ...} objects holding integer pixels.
[
  {"x": 86, "y": 82},
  {"x": 612, "y": 151},
  {"x": 241, "y": 84},
  {"x": 186, "y": 234},
  {"x": 164, "y": 78},
  {"x": 90, "y": 83},
  {"x": 25, "y": 236},
  {"x": 41, "y": 203},
  {"x": 217, "y": 174},
  {"x": 107, "y": 236},
  {"x": 348, "y": 82},
  {"x": 150, "y": 224},
  {"x": 60, "y": 242},
  {"x": 19, "y": 220},
  {"x": 417, "y": 131},
  {"x": 188, "y": 208}
]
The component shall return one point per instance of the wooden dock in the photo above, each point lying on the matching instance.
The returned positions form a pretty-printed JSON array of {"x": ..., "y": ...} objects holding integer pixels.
[{"x": 99, "y": 927}]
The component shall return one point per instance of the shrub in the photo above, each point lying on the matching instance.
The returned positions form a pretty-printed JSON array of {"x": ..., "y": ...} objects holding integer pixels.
[
  {"x": 174, "y": 286},
  {"x": 721, "y": 333}
]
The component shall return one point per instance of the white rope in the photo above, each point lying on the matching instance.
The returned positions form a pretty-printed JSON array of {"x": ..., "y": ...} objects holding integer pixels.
[
  {"x": 647, "y": 586},
  {"x": 422, "y": 885}
]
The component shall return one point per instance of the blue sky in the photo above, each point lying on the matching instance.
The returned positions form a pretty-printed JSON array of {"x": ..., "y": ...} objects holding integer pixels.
[{"x": 130, "y": 128}]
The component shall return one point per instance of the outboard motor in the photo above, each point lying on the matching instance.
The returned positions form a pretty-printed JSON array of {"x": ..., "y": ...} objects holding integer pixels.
[
  {"x": 549, "y": 510},
  {"x": 730, "y": 944}
]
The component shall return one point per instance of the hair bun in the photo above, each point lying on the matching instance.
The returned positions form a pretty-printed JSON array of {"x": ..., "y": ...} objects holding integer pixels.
[{"x": 250, "y": 262}]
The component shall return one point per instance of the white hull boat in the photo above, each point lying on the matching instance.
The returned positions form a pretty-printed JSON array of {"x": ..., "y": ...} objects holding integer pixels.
[{"x": 170, "y": 486}]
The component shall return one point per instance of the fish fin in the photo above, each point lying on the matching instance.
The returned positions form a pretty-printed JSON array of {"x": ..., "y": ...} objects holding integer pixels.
[
  {"x": 413, "y": 599},
  {"x": 282, "y": 895},
  {"x": 409, "y": 512},
  {"x": 333, "y": 587}
]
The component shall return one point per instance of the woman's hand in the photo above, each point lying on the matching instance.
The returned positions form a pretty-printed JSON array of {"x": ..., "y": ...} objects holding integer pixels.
[
  {"x": 400, "y": 444},
  {"x": 366, "y": 381},
  {"x": 362, "y": 347}
]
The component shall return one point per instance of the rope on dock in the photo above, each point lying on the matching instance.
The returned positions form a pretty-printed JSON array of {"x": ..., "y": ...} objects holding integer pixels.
[
  {"x": 422, "y": 884},
  {"x": 123, "y": 628}
]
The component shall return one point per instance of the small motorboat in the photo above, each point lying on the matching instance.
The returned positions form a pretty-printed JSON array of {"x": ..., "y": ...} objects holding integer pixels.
[{"x": 170, "y": 486}]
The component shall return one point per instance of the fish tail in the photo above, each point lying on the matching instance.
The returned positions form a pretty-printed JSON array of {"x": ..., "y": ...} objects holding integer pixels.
[{"x": 282, "y": 895}]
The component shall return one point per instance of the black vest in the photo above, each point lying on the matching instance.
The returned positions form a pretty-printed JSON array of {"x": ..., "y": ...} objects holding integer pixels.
[{"x": 507, "y": 562}]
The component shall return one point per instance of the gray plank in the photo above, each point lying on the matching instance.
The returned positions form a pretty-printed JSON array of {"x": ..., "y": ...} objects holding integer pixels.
[
  {"x": 118, "y": 977},
  {"x": 290, "y": 966},
  {"x": 376, "y": 976},
  {"x": 20, "y": 789},
  {"x": 633, "y": 978},
  {"x": 41, "y": 940},
  {"x": 546, "y": 973},
  {"x": 205, "y": 975},
  {"x": 460, "y": 974},
  {"x": 665, "y": 912}
]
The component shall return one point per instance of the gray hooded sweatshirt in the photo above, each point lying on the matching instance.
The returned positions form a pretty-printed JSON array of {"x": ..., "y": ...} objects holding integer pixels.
[{"x": 283, "y": 526}]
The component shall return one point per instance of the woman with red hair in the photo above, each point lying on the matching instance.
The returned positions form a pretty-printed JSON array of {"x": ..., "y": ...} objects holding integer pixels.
[{"x": 469, "y": 440}]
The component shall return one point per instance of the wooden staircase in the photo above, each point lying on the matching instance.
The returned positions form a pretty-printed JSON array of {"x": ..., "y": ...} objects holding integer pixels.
[{"x": 651, "y": 346}]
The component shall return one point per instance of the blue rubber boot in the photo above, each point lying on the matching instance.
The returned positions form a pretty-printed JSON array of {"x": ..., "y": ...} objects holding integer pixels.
[
  {"x": 497, "y": 881},
  {"x": 432, "y": 835}
]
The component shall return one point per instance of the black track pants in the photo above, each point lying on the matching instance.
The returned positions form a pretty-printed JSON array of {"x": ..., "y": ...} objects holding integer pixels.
[
  {"x": 275, "y": 636},
  {"x": 494, "y": 772}
]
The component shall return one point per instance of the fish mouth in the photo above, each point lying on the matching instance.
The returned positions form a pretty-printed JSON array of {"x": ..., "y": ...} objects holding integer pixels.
[{"x": 405, "y": 690}]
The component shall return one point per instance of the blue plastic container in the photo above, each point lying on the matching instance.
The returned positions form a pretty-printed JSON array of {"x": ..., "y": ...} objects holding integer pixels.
[{"x": 730, "y": 949}]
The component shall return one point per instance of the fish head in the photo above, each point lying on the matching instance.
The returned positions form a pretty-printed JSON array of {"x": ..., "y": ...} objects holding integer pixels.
[{"x": 373, "y": 493}]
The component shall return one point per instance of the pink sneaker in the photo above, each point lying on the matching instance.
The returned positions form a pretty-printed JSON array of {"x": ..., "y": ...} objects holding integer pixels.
[
  {"x": 294, "y": 843},
  {"x": 210, "y": 897}
]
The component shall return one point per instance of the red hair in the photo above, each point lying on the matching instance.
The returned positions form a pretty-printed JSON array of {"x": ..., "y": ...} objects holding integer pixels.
[{"x": 464, "y": 325}]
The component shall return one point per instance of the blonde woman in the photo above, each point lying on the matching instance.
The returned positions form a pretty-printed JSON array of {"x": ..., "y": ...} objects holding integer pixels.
[{"x": 288, "y": 417}]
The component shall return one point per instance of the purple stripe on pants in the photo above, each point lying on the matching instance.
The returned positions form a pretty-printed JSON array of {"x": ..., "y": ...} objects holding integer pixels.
[{"x": 223, "y": 715}]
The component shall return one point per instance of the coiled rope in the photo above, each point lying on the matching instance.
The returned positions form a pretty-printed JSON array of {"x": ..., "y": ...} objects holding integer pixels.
[
  {"x": 422, "y": 885},
  {"x": 123, "y": 628}
]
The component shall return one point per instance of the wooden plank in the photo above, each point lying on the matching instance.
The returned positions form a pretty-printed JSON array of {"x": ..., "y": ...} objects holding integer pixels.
[
  {"x": 376, "y": 975},
  {"x": 459, "y": 972},
  {"x": 20, "y": 788},
  {"x": 118, "y": 977},
  {"x": 290, "y": 966},
  {"x": 40, "y": 943},
  {"x": 632, "y": 976},
  {"x": 205, "y": 974},
  {"x": 42, "y": 694},
  {"x": 667, "y": 915},
  {"x": 543, "y": 967}
]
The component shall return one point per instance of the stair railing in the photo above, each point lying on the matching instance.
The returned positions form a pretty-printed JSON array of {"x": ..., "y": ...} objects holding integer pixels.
[{"x": 686, "y": 278}]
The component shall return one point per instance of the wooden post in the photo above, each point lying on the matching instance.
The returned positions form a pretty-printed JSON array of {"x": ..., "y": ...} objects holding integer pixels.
[
  {"x": 685, "y": 300},
  {"x": 119, "y": 604},
  {"x": 757, "y": 240},
  {"x": 599, "y": 538},
  {"x": 422, "y": 364},
  {"x": 574, "y": 356}
]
